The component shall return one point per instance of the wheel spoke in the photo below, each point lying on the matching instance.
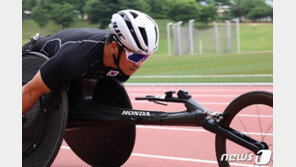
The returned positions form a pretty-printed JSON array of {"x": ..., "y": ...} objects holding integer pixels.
[
  {"x": 243, "y": 125},
  {"x": 260, "y": 125},
  {"x": 267, "y": 130}
]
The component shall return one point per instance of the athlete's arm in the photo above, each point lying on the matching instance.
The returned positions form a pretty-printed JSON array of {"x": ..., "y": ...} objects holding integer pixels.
[
  {"x": 70, "y": 62},
  {"x": 32, "y": 91}
]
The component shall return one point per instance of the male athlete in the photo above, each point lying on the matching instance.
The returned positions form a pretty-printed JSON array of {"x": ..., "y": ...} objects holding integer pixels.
[{"x": 92, "y": 53}]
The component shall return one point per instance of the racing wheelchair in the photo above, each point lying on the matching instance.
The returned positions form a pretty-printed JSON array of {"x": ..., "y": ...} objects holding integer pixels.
[{"x": 96, "y": 119}]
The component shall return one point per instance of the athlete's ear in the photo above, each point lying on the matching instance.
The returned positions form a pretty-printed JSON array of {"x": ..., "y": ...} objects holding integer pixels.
[
  {"x": 113, "y": 47},
  {"x": 113, "y": 44}
]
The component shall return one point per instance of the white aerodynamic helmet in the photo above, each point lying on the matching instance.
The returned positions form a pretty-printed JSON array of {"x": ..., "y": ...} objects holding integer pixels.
[{"x": 135, "y": 30}]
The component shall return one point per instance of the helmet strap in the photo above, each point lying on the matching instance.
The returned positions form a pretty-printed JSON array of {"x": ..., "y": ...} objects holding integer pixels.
[{"x": 117, "y": 59}]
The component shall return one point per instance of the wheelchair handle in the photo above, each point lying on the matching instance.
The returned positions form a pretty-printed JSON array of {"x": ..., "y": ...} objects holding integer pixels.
[
  {"x": 155, "y": 99},
  {"x": 183, "y": 97}
]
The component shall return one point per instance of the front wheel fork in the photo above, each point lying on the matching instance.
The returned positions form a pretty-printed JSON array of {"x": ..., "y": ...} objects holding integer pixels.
[{"x": 233, "y": 135}]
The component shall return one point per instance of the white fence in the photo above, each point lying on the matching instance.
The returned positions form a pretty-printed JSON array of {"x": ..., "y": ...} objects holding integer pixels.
[{"x": 216, "y": 39}]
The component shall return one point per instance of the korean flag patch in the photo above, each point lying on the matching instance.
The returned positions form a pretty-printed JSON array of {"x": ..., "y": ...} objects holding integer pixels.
[{"x": 112, "y": 73}]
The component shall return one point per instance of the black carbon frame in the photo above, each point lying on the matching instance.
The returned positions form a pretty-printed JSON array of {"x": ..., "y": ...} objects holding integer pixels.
[{"x": 195, "y": 116}]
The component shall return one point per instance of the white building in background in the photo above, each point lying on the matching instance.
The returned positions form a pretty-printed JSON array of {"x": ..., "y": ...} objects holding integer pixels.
[
  {"x": 26, "y": 14},
  {"x": 222, "y": 9},
  {"x": 269, "y": 2}
]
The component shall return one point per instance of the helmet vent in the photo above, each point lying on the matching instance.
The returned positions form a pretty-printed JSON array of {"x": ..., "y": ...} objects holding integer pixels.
[
  {"x": 144, "y": 35},
  {"x": 129, "y": 25},
  {"x": 156, "y": 34},
  {"x": 131, "y": 29},
  {"x": 134, "y": 14},
  {"x": 140, "y": 30}
]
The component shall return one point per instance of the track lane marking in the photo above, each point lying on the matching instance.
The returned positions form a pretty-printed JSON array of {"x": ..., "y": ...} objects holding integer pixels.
[
  {"x": 185, "y": 159},
  {"x": 193, "y": 130},
  {"x": 202, "y": 76},
  {"x": 224, "y": 84},
  {"x": 192, "y": 89},
  {"x": 210, "y": 103},
  {"x": 253, "y": 115},
  {"x": 144, "y": 94}
]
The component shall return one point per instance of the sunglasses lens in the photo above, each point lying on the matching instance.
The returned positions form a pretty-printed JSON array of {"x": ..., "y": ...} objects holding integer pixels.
[{"x": 136, "y": 58}]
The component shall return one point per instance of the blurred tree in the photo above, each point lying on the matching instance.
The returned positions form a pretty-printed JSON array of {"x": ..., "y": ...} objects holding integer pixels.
[
  {"x": 63, "y": 14},
  {"x": 270, "y": 12},
  {"x": 241, "y": 8},
  {"x": 158, "y": 9},
  {"x": 222, "y": 2},
  {"x": 140, "y": 5},
  {"x": 100, "y": 11},
  {"x": 259, "y": 11},
  {"x": 28, "y": 4},
  {"x": 226, "y": 16},
  {"x": 40, "y": 16},
  {"x": 207, "y": 13},
  {"x": 184, "y": 11},
  {"x": 78, "y": 4}
]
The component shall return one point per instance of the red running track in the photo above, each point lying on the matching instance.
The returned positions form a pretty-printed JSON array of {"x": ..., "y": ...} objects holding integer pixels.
[{"x": 174, "y": 146}]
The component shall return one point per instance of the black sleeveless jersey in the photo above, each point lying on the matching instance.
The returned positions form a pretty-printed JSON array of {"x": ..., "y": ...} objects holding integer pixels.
[{"x": 74, "y": 53}]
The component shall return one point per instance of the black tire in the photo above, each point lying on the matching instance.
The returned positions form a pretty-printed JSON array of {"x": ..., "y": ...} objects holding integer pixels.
[
  {"x": 241, "y": 102},
  {"x": 44, "y": 124}
]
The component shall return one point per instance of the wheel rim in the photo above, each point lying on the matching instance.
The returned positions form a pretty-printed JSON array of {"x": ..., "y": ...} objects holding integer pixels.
[{"x": 246, "y": 113}]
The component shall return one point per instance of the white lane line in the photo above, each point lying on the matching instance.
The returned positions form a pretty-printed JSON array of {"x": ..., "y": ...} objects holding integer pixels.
[
  {"x": 208, "y": 103},
  {"x": 253, "y": 115},
  {"x": 184, "y": 159},
  {"x": 155, "y": 89},
  {"x": 66, "y": 147},
  {"x": 171, "y": 158},
  {"x": 202, "y": 76},
  {"x": 168, "y": 128},
  {"x": 202, "y": 84},
  {"x": 145, "y": 94},
  {"x": 193, "y": 130}
]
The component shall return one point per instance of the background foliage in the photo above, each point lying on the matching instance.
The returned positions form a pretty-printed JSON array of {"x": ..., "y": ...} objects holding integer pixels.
[
  {"x": 66, "y": 12},
  {"x": 50, "y": 16}
]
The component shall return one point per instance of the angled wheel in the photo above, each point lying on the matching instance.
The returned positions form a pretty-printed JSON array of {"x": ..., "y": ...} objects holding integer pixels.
[
  {"x": 252, "y": 114},
  {"x": 44, "y": 124}
]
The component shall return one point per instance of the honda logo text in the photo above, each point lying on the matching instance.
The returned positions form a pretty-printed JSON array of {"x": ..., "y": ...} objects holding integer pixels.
[{"x": 135, "y": 113}]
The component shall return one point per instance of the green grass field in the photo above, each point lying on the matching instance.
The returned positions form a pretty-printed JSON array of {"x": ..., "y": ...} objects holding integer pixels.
[
  {"x": 254, "y": 37},
  {"x": 224, "y": 64}
]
